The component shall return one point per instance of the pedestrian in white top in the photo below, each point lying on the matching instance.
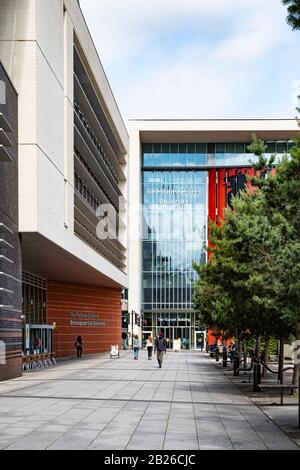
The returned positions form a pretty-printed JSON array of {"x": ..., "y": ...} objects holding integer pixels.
[{"x": 149, "y": 346}]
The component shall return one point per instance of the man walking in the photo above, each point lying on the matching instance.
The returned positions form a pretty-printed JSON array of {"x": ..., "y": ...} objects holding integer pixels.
[{"x": 160, "y": 346}]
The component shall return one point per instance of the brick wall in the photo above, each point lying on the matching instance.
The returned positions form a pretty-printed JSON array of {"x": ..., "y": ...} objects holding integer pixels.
[{"x": 65, "y": 299}]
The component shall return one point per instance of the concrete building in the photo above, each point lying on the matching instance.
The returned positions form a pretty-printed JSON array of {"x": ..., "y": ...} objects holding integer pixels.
[
  {"x": 183, "y": 173},
  {"x": 72, "y": 184}
]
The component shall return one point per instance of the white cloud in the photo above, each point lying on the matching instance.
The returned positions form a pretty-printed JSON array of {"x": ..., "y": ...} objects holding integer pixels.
[{"x": 219, "y": 61}]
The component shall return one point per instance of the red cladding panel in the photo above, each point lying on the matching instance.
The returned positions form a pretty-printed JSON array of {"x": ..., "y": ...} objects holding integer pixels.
[
  {"x": 212, "y": 198},
  {"x": 221, "y": 194}
]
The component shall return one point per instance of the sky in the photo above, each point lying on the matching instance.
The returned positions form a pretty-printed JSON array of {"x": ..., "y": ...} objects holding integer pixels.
[{"x": 197, "y": 59}]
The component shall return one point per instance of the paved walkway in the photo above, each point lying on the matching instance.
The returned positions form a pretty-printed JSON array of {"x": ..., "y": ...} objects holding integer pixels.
[{"x": 102, "y": 403}]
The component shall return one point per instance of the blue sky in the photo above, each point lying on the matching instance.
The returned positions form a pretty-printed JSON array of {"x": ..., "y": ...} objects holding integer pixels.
[{"x": 197, "y": 58}]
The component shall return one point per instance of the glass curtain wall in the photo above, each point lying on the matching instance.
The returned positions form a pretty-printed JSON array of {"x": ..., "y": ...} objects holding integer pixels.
[{"x": 174, "y": 235}]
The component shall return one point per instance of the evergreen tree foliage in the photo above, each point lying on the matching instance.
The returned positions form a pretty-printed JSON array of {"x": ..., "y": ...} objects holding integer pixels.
[
  {"x": 251, "y": 284},
  {"x": 293, "y": 18}
]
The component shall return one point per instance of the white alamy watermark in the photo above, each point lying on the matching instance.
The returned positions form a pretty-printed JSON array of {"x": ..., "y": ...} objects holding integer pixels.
[
  {"x": 2, "y": 353},
  {"x": 165, "y": 220},
  {"x": 296, "y": 352}
]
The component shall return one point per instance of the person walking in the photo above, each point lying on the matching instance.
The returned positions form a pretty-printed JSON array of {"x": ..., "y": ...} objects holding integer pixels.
[
  {"x": 149, "y": 346},
  {"x": 79, "y": 346},
  {"x": 124, "y": 339},
  {"x": 160, "y": 347},
  {"x": 136, "y": 347}
]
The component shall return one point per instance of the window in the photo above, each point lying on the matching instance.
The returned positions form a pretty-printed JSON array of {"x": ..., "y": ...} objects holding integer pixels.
[
  {"x": 191, "y": 148},
  {"x": 174, "y": 148},
  {"x": 201, "y": 148},
  {"x": 220, "y": 148},
  {"x": 270, "y": 147},
  {"x": 229, "y": 148},
  {"x": 239, "y": 148},
  {"x": 281, "y": 147}
]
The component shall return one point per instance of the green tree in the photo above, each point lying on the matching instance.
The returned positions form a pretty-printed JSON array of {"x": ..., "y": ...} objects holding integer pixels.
[
  {"x": 252, "y": 281},
  {"x": 293, "y": 18}
]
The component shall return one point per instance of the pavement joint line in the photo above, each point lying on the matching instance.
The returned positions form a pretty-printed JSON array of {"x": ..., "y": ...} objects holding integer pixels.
[
  {"x": 126, "y": 386},
  {"x": 36, "y": 371},
  {"x": 195, "y": 420},
  {"x": 115, "y": 416},
  {"x": 169, "y": 414},
  {"x": 129, "y": 400},
  {"x": 35, "y": 430},
  {"x": 75, "y": 425},
  {"x": 139, "y": 421},
  {"x": 105, "y": 388}
]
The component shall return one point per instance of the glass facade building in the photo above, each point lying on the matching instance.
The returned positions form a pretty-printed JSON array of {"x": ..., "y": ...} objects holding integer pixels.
[{"x": 178, "y": 198}]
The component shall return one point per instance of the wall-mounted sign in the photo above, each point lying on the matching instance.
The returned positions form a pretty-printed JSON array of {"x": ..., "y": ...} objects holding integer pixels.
[
  {"x": 174, "y": 191},
  {"x": 86, "y": 320}
]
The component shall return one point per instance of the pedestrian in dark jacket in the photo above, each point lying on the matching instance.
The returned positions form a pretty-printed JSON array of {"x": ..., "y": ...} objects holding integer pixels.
[
  {"x": 79, "y": 346},
  {"x": 160, "y": 347}
]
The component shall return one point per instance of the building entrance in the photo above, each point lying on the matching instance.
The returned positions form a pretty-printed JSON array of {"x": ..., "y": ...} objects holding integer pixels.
[
  {"x": 37, "y": 339},
  {"x": 174, "y": 333},
  {"x": 200, "y": 340}
]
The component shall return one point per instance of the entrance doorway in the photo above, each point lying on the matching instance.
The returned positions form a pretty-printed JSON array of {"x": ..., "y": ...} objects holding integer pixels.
[
  {"x": 168, "y": 334},
  {"x": 200, "y": 340},
  {"x": 173, "y": 333},
  {"x": 37, "y": 339}
]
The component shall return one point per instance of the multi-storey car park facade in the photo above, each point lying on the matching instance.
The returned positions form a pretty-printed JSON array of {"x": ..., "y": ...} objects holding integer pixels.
[
  {"x": 73, "y": 152},
  {"x": 184, "y": 173}
]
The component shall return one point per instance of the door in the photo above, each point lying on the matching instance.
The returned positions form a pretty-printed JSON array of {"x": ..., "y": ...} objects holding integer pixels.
[
  {"x": 200, "y": 340},
  {"x": 168, "y": 334},
  {"x": 183, "y": 333}
]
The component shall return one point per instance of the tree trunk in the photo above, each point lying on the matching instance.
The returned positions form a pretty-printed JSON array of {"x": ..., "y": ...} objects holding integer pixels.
[
  {"x": 266, "y": 355},
  {"x": 297, "y": 357},
  {"x": 281, "y": 360}
]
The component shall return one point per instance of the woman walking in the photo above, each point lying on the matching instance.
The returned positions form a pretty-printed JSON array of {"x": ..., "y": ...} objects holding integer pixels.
[
  {"x": 79, "y": 345},
  {"x": 136, "y": 347},
  {"x": 149, "y": 346}
]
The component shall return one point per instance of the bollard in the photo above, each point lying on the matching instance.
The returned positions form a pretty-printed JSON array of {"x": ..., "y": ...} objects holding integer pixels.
[
  {"x": 256, "y": 377},
  {"x": 224, "y": 358},
  {"x": 217, "y": 355},
  {"x": 236, "y": 365}
]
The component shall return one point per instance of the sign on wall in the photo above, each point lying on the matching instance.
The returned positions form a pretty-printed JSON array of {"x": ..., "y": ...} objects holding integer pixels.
[{"x": 86, "y": 320}]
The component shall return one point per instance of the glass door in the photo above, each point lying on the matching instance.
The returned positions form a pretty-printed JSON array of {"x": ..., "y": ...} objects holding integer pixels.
[
  {"x": 200, "y": 340},
  {"x": 183, "y": 333},
  {"x": 168, "y": 334}
]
